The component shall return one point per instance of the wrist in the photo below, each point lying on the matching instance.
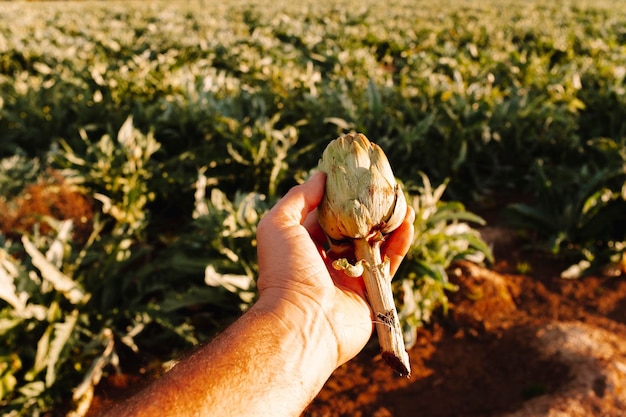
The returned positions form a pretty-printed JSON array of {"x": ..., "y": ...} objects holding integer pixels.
[{"x": 306, "y": 342}]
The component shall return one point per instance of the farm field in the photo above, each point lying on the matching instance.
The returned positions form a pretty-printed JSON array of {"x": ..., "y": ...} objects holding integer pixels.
[{"x": 141, "y": 142}]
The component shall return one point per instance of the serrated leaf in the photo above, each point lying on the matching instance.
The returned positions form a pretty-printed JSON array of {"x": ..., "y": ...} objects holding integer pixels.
[
  {"x": 41, "y": 356},
  {"x": 6, "y": 325},
  {"x": 32, "y": 389},
  {"x": 195, "y": 296},
  {"x": 61, "y": 335},
  {"x": 231, "y": 282},
  {"x": 51, "y": 273},
  {"x": 9, "y": 293}
]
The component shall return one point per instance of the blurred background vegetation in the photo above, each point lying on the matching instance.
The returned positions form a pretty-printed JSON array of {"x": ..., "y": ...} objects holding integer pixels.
[{"x": 140, "y": 143}]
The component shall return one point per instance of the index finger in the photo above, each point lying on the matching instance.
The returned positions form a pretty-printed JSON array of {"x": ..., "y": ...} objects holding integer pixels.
[
  {"x": 299, "y": 201},
  {"x": 398, "y": 243}
]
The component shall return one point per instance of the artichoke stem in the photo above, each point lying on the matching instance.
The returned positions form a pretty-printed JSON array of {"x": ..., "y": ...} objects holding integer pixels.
[{"x": 377, "y": 280}]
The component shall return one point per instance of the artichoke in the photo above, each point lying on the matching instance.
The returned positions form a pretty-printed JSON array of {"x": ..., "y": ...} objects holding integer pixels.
[
  {"x": 362, "y": 197},
  {"x": 362, "y": 203}
]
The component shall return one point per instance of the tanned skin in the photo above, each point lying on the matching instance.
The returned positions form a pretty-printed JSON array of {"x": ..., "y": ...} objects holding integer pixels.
[{"x": 308, "y": 320}]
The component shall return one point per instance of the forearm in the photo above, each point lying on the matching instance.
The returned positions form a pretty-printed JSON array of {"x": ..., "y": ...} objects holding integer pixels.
[
  {"x": 258, "y": 366},
  {"x": 309, "y": 319}
]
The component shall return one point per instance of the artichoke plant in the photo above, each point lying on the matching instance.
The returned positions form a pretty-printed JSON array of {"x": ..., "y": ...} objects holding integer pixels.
[{"x": 363, "y": 203}]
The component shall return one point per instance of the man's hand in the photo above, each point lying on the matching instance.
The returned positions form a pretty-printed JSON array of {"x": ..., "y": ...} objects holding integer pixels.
[
  {"x": 308, "y": 320},
  {"x": 296, "y": 270}
]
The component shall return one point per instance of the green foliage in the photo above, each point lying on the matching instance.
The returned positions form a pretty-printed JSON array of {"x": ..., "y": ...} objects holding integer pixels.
[
  {"x": 69, "y": 309},
  {"x": 117, "y": 171},
  {"x": 578, "y": 213},
  {"x": 442, "y": 235},
  {"x": 46, "y": 337},
  {"x": 15, "y": 172},
  {"x": 471, "y": 93},
  {"x": 185, "y": 122},
  {"x": 220, "y": 244}
]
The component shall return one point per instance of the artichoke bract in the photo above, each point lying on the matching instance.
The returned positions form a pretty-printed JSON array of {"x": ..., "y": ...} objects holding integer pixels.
[
  {"x": 362, "y": 197},
  {"x": 362, "y": 203}
]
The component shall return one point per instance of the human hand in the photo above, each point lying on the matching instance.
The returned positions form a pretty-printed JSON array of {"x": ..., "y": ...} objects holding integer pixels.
[
  {"x": 296, "y": 274},
  {"x": 309, "y": 319}
]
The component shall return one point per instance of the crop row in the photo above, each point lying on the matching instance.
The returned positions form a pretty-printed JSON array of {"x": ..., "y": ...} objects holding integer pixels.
[{"x": 141, "y": 142}]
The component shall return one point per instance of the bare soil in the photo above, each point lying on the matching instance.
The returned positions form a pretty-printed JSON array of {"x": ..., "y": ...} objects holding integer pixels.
[
  {"x": 512, "y": 344},
  {"x": 515, "y": 345}
]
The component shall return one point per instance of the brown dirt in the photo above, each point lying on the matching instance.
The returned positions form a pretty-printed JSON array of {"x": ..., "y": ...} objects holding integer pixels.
[
  {"x": 52, "y": 195},
  {"x": 512, "y": 344},
  {"x": 515, "y": 345}
]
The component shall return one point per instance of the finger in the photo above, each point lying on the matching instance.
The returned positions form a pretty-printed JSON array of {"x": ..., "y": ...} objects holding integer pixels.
[
  {"x": 398, "y": 243},
  {"x": 312, "y": 225},
  {"x": 294, "y": 207},
  {"x": 280, "y": 233},
  {"x": 343, "y": 281}
]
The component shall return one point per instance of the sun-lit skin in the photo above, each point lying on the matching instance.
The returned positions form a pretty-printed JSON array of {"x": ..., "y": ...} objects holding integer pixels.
[{"x": 309, "y": 319}]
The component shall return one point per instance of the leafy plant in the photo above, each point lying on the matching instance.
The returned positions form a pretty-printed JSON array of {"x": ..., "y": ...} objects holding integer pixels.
[
  {"x": 68, "y": 309},
  {"x": 218, "y": 249},
  {"x": 58, "y": 328},
  {"x": 578, "y": 215},
  {"x": 138, "y": 106},
  {"x": 442, "y": 235},
  {"x": 117, "y": 170},
  {"x": 44, "y": 324}
]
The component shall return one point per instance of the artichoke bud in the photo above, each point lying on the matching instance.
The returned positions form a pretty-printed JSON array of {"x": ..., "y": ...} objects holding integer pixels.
[{"x": 362, "y": 198}]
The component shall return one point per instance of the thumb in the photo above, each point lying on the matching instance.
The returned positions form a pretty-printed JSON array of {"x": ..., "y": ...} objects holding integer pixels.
[{"x": 293, "y": 208}]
